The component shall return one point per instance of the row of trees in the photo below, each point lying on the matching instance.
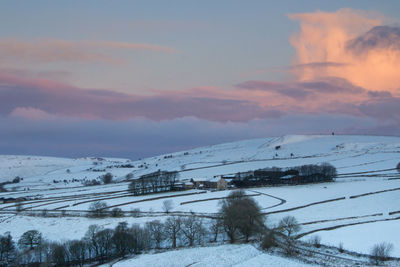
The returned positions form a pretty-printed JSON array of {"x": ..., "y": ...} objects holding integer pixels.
[
  {"x": 159, "y": 181},
  {"x": 102, "y": 244},
  {"x": 310, "y": 173}
]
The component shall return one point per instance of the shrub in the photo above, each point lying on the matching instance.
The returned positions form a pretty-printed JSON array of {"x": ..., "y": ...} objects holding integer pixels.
[
  {"x": 381, "y": 252},
  {"x": 91, "y": 182},
  {"x": 135, "y": 212},
  {"x": 117, "y": 212},
  {"x": 398, "y": 167},
  {"x": 268, "y": 240},
  {"x": 341, "y": 249},
  {"x": 107, "y": 178},
  {"x": 16, "y": 180},
  {"x": 315, "y": 241},
  {"x": 98, "y": 209}
]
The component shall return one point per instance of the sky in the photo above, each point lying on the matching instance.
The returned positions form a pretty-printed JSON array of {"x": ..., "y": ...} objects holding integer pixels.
[{"x": 140, "y": 78}]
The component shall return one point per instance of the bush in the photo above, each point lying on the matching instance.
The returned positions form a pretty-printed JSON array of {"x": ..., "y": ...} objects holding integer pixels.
[
  {"x": 107, "y": 178},
  {"x": 117, "y": 212},
  {"x": 135, "y": 212},
  {"x": 381, "y": 252},
  {"x": 341, "y": 249},
  {"x": 91, "y": 182},
  {"x": 398, "y": 167},
  {"x": 268, "y": 240},
  {"x": 16, "y": 180},
  {"x": 315, "y": 241},
  {"x": 98, "y": 209}
]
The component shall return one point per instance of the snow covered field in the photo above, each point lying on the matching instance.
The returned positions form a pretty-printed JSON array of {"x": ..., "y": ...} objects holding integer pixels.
[
  {"x": 365, "y": 194},
  {"x": 225, "y": 255}
]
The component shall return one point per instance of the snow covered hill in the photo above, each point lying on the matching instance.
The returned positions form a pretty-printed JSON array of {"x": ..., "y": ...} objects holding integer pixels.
[
  {"x": 365, "y": 196},
  {"x": 348, "y": 154}
]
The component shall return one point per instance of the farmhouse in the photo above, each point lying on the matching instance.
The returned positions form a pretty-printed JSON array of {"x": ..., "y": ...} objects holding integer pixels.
[{"x": 215, "y": 183}]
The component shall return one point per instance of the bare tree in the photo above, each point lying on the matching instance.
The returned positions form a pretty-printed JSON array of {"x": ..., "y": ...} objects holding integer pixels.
[
  {"x": 381, "y": 252},
  {"x": 7, "y": 247},
  {"x": 173, "y": 229},
  {"x": 289, "y": 225},
  {"x": 168, "y": 205},
  {"x": 77, "y": 251},
  {"x": 30, "y": 239},
  {"x": 241, "y": 214},
  {"x": 59, "y": 254},
  {"x": 216, "y": 227},
  {"x": 156, "y": 229},
  {"x": 122, "y": 239},
  {"x": 104, "y": 240},
  {"x": 98, "y": 208},
  {"x": 91, "y": 237},
  {"x": 192, "y": 229}
]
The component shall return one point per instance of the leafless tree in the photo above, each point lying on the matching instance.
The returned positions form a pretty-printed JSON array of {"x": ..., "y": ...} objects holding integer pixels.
[
  {"x": 192, "y": 229},
  {"x": 30, "y": 239},
  {"x": 77, "y": 251},
  {"x": 98, "y": 208},
  {"x": 156, "y": 230},
  {"x": 7, "y": 247},
  {"x": 216, "y": 227},
  {"x": 241, "y": 214},
  {"x": 122, "y": 239},
  {"x": 380, "y": 252},
  {"x": 173, "y": 229},
  {"x": 289, "y": 225},
  {"x": 91, "y": 237},
  {"x": 168, "y": 205},
  {"x": 104, "y": 241},
  {"x": 59, "y": 254}
]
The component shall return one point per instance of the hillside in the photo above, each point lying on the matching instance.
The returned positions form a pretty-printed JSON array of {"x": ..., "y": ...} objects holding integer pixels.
[
  {"x": 349, "y": 154},
  {"x": 363, "y": 198}
]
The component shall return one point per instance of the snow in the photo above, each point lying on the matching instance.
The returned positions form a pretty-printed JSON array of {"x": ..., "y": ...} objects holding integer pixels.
[
  {"x": 361, "y": 238},
  {"x": 225, "y": 255},
  {"x": 349, "y": 154}
]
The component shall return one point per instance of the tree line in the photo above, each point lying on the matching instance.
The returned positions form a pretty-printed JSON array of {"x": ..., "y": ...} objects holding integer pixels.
[
  {"x": 159, "y": 181},
  {"x": 240, "y": 219},
  {"x": 310, "y": 173}
]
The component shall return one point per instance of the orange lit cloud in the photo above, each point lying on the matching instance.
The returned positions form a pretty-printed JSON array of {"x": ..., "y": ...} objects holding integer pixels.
[{"x": 354, "y": 46}]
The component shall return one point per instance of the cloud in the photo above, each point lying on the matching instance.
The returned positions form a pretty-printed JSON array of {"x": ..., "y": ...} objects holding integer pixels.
[
  {"x": 317, "y": 65},
  {"x": 31, "y": 113},
  {"x": 60, "y": 99},
  {"x": 379, "y": 37},
  {"x": 56, "y": 50},
  {"x": 358, "y": 39},
  {"x": 301, "y": 90}
]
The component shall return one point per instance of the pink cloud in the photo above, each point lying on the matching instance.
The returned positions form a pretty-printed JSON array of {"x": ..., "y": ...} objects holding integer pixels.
[
  {"x": 31, "y": 113},
  {"x": 56, "y": 50}
]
